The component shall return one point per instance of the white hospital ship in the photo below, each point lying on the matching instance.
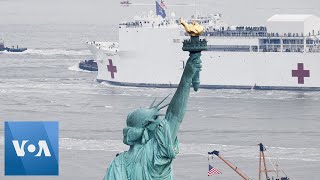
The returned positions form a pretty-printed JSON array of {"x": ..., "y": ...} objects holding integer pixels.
[{"x": 284, "y": 54}]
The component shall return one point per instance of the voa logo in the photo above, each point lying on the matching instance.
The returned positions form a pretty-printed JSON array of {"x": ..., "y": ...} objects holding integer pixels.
[
  {"x": 42, "y": 148},
  {"x": 31, "y": 148}
]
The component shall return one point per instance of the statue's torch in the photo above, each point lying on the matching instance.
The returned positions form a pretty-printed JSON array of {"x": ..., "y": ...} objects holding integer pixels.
[{"x": 194, "y": 45}]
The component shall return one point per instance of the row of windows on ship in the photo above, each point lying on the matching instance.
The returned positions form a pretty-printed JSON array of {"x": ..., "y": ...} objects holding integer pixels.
[
  {"x": 234, "y": 33},
  {"x": 244, "y": 28},
  {"x": 262, "y": 48},
  {"x": 251, "y": 31},
  {"x": 245, "y": 33},
  {"x": 290, "y": 41}
]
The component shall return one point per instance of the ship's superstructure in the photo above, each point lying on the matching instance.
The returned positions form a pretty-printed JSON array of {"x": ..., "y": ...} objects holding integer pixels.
[{"x": 284, "y": 54}]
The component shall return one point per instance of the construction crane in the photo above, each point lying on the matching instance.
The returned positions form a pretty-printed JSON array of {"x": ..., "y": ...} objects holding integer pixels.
[
  {"x": 262, "y": 162},
  {"x": 263, "y": 158},
  {"x": 245, "y": 177}
]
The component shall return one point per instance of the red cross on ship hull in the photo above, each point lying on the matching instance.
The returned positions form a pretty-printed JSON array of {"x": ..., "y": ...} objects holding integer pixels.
[
  {"x": 111, "y": 68},
  {"x": 300, "y": 73}
]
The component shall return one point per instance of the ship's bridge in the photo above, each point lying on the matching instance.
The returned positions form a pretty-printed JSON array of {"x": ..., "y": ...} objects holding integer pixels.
[
  {"x": 150, "y": 20},
  {"x": 292, "y": 33},
  {"x": 294, "y": 25}
]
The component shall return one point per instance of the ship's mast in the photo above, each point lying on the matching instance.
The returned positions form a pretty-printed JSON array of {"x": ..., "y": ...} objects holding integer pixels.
[
  {"x": 262, "y": 162},
  {"x": 195, "y": 8},
  {"x": 263, "y": 158},
  {"x": 245, "y": 177}
]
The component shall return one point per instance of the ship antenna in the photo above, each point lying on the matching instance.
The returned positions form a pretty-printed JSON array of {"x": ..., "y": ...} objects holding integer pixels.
[{"x": 195, "y": 8}]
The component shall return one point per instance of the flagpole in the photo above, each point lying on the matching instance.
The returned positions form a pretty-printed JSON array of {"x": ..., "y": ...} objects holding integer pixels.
[
  {"x": 195, "y": 7},
  {"x": 245, "y": 177},
  {"x": 208, "y": 162}
]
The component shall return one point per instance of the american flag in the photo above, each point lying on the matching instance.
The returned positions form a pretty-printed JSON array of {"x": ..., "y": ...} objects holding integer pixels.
[
  {"x": 160, "y": 8},
  {"x": 213, "y": 171},
  {"x": 162, "y": 4}
]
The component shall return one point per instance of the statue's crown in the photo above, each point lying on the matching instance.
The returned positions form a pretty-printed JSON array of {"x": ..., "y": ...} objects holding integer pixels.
[{"x": 142, "y": 117}]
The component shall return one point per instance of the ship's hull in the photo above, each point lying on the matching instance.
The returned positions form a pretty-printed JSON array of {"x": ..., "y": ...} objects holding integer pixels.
[
  {"x": 221, "y": 70},
  {"x": 146, "y": 60},
  {"x": 16, "y": 49}
]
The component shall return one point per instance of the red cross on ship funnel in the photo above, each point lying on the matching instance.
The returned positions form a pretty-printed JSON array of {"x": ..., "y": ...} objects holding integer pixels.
[
  {"x": 111, "y": 68},
  {"x": 300, "y": 73}
]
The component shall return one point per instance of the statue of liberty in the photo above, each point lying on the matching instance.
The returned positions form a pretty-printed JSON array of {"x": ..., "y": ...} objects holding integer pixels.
[{"x": 153, "y": 140}]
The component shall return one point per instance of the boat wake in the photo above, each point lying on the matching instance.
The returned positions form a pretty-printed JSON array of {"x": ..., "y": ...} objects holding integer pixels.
[
  {"x": 76, "y": 68},
  {"x": 51, "y": 52}
]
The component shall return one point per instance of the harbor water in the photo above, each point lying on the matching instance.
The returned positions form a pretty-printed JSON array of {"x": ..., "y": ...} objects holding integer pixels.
[{"x": 44, "y": 83}]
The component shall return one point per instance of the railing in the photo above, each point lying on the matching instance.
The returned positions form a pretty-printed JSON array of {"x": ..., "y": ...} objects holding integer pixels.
[
  {"x": 147, "y": 23},
  {"x": 245, "y": 33},
  {"x": 234, "y": 34},
  {"x": 263, "y": 48}
]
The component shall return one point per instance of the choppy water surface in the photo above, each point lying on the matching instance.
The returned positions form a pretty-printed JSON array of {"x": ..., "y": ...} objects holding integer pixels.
[{"x": 44, "y": 83}]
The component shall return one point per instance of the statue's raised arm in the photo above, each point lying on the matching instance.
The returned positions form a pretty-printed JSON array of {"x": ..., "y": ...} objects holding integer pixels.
[
  {"x": 177, "y": 107},
  {"x": 178, "y": 104}
]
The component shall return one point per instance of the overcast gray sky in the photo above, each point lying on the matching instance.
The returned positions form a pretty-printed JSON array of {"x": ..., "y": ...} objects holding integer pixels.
[
  {"x": 110, "y": 12},
  {"x": 58, "y": 11}
]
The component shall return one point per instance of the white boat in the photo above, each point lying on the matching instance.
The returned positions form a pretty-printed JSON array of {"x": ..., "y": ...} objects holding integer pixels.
[
  {"x": 125, "y": 2},
  {"x": 283, "y": 54}
]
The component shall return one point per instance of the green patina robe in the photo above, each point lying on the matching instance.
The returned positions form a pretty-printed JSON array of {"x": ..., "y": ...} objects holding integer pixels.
[{"x": 151, "y": 162}]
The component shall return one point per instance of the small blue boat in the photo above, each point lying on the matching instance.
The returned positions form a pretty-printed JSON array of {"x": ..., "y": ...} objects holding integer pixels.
[
  {"x": 13, "y": 49},
  {"x": 17, "y": 49},
  {"x": 89, "y": 65}
]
